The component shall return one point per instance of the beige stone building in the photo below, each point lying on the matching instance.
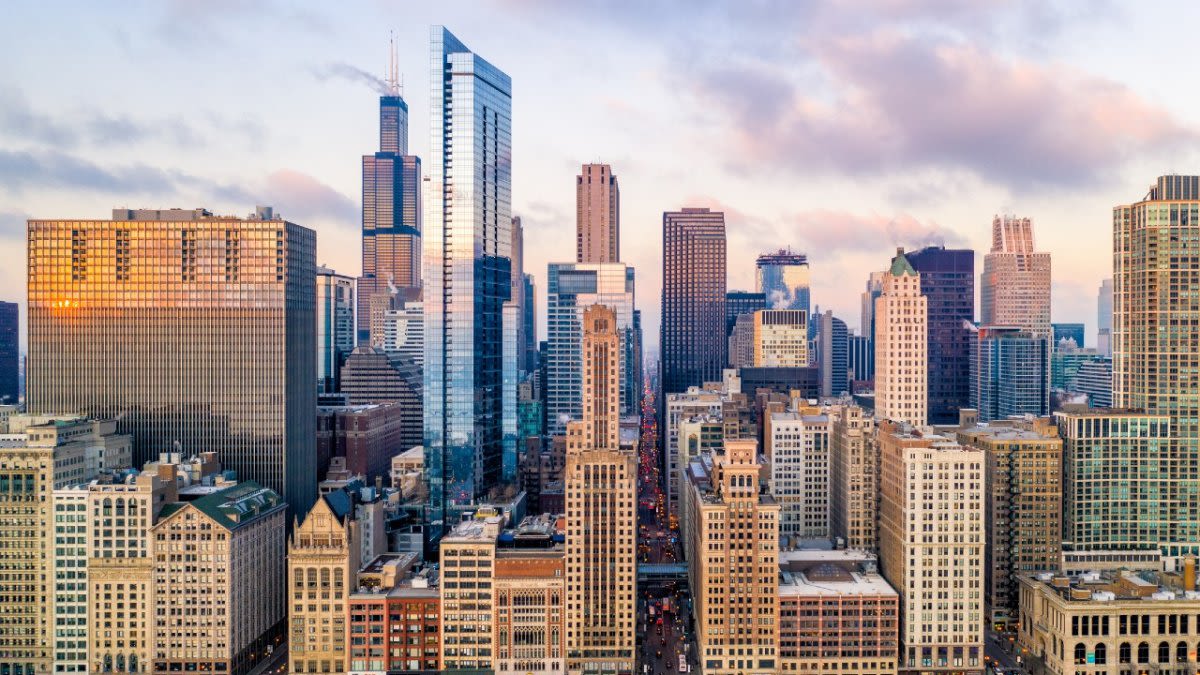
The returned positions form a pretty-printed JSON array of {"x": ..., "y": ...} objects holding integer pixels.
[
  {"x": 901, "y": 352},
  {"x": 781, "y": 338},
  {"x": 597, "y": 215},
  {"x": 931, "y": 541},
  {"x": 853, "y": 477},
  {"x": 1111, "y": 623},
  {"x": 530, "y": 586},
  {"x": 468, "y": 560},
  {"x": 219, "y": 575},
  {"x": 731, "y": 529},
  {"x": 1014, "y": 289},
  {"x": 322, "y": 566},
  {"x": 39, "y": 455},
  {"x": 1023, "y": 506},
  {"x": 601, "y": 495},
  {"x": 798, "y": 452}
]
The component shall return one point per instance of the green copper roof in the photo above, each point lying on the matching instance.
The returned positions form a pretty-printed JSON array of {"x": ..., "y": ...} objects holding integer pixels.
[
  {"x": 901, "y": 266},
  {"x": 233, "y": 506}
]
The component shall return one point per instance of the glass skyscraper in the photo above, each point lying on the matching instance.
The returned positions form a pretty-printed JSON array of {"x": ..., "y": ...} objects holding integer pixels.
[
  {"x": 335, "y": 326},
  {"x": 467, "y": 275},
  {"x": 693, "y": 344},
  {"x": 948, "y": 282},
  {"x": 1008, "y": 376},
  {"x": 195, "y": 331},
  {"x": 783, "y": 278},
  {"x": 572, "y": 288},
  {"x": 10, "y": 355},
  {"x": 738, "y": 303},
  {"x": 391, "y": 219}
]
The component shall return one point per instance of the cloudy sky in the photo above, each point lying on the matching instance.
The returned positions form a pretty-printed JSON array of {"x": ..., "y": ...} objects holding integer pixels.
[{"x": 841, "y": 130}]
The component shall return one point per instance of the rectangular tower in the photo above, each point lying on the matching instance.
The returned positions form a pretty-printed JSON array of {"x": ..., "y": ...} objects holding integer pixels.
[
  {"x": 901, "y": 357},
  {"x": 780, "y": 338},
  {"x": 597, "y": 215},
  {"x": 467, "y": 275},
  {"x": 335, "y": 326},
  {"x": 948, "y": 284},
  {"x": 10, "y": 353},
  {"x": 1015, "y": 285},
  {"x": 195, "y": 331},
  {"x": 693, "y": 342},
  {"x": 1008, "y": 373},
  {"x": 782, "y": 277}
]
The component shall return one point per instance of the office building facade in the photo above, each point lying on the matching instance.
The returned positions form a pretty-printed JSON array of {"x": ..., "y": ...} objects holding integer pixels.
[
  {"x": 597, "y": 215},
  {"x": 833, "y": 356},
  {"x": 783, "y": 279},
  {"x": 948, "y": 284},
  {"x": 467, "y": 275},
  {"x": 335, "y": 326},
  {"x": 692, "y": 339},
  {"x": 1008, "y": 375},
  {"x": 901, "y": 346},
  {"x": 1015, "y": 284},
  {"x": 780, "y": 338},
  {"x": 206, "y": 321},
  {"x": 10, "y": 353},
  {"x": 738, "y": 303},
  {"x": 1104, "y": 317},
  {"x": 1067, "y": 331},
  {"x": 798, "y": 448}
]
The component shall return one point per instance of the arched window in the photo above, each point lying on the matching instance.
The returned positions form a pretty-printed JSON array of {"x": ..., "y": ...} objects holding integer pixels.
[
  {"x": 1181, "y": 652},
  {"x": 1124, "y": 655},
  {"x": 1080, "y": 653},
  {"x": 1143, "y": 653},
  {"x": 1164, "y": 652},
  {"x": 1101, "y": 654}
]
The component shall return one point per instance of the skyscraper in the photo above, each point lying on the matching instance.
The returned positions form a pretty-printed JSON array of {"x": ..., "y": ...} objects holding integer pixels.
[
  {"x": 780, "y": 338},
  {"x": 798, "y": 445},
  {"x": 832, "y": 354},
  {"x": 1008, "y": 376},
  {"x": 860, "y": 357},
  {"x": 741, "y": 302},
  {"x": 900, "y": 346},
  {"x": 693, "y": 344},
  {"x": 391, "y": 216},
  {"x": 948, "y": 284},
  {"x": 597, "y": 215},
  {"x": 1067, "y": 331},
  {"x": 1156, "y": 343},
  {"x": 782, "y": 277},
  {"x": 571, "y": 289},
  {"x": 1015, "y": 285},
  {"x": 601, "y": 491},
  {"x": 468, "y": 241},
  {"x": 1104, "y": 317},
  {"x": 335, "y": 326},
  {"x": 193, "y": 329},
  {"x": 10, "y": 353}
]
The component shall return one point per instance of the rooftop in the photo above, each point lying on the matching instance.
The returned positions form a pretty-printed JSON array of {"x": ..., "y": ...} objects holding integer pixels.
[
  {"x": 1120, "y": 586},
  {"x": 832, "y": 573}
]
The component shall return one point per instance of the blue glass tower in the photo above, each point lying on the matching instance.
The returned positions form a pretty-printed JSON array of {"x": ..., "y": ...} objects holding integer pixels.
[
  {"x": 467, "y": 277},
  {"x": 948, "y": 283},
  {"x": 1008, "y": 373}
]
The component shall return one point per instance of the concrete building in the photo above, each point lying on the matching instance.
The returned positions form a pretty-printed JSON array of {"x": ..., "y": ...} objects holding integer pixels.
[
  {"x": 1014, "y": 289},
  {"x": 695, "y": 402},
  {"x": 901, "y": 348},
  {"x": 372, "y": 376},
  {"x": 367, "y": 435},
  {"x": 322, "y": 566},
  {"x": 232, "y": 612},
  {"x": 832, "y": 357},
  {"x": 208, "y": 323},
  {"x": 731, "y": 530},
  {"x": 1111, "y": 623},
  {"x": 1009, "y": 373},
  {"x": 948, "y": 284},
  {"x": 874, "y": 288},
  {"x": 693, "y": 340},
  {"x": 780, "y": 338},
  {"x": 394, "y": 617},
  {"x": 837, "y": 614},
  {"x": 931, "y": 547},
  {"x": 336, "y": 333},
  {"x": 798, "y": 454},
  {"x": 741, "y": 342},
  {"x": 853, "y": 477},
  {"x": 601, "y": 495},
  {"x": 1104, "y": 317},
  {"x": 597, "y": 215},
  {"x": 402, "y": 331},
  {"x": 468, "y": 561},
  {"x": 1023, "y": 506}
]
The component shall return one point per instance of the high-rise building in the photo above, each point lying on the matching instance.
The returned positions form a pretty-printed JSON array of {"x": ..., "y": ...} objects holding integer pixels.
[
  {"x": 1064, "y": 365},
  {"x": 901, "y": 356},
  {"x": 693, "y": 343},
  {"x": 1095, "y": 378},
  {"x": 601, "y": 495},
  {"x": 40, "y": 457},
  {"x": 853, "y": 477},
  {"x": 1023, "y": 506},
  {"x": 677, "y": 409},
  {"x": 948, "y": 284},
  {"x": 207, "y": 322},
  {"x": 782, "y": 278},
  {"x": 528, "y": 351},
  {"x": 391, "y": 215},
  {"x": 931, "y": 547},
  {"x": 571, "y": 288},
  {"x": 400, "y": 603},
  {"x": 371, "y": 376},
  {"x": 780, "y": 338},
  {"x": 832, "y": 345},
  {"x": 1067, "y": 331},
  {"x": 860, "y": 358},
  {"x": 1154, "y": 339},
  {"x": 798, "y": 447},
  {"x": 738, "y": 303},
  {"x": 322, "y": 569},
  {"x": 1104, "y": 317},
  {"x": 731, "y": 531},
  {"x": 467, "y": 275},
  {"x": 873, "y": 290},
  {"x": 1015, "y": 285},
  {"x": 335, "y": 326},
  {"x": 1008, "y": 373},
  {"x": 741, "y": 342},
  {"x": 10, "y": 354},
  {"x": 597, "y": 215},
  {"x": 1109, "y": 505},
  {"x": 468, "y": 595},
  {"x": 531, "y": 599},
  {"x": 403, "y": 332}
]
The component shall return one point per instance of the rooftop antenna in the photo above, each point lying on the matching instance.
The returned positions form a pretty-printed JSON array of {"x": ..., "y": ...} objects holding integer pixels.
[{"x": 393, "y": 81}]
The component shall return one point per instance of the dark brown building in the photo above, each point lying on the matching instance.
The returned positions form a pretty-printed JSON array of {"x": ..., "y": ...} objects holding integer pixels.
[{"x": 368, "y": 436}]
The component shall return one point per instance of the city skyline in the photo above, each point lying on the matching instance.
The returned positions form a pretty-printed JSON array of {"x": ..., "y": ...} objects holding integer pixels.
[{"x": 926, "y": 185}]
